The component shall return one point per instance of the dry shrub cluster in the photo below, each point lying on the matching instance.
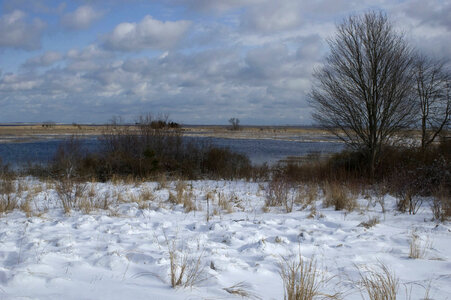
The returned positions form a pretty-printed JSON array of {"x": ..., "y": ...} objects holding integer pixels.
[
  {"x": 8, "y": 194},
  {"x": 278, "y": 193},
  {"x": 183, "y": 195},
  {"x": 441, "y": 203},
  {"x": 339, "y": 196},
  {"x": 147, "y": 151},
  {"x": 70, "y": 193},
  {"x": 410, "y": 174}
]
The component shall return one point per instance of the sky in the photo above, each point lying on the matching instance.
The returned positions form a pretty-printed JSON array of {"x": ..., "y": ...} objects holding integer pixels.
[{"x": 198, "y": 61}]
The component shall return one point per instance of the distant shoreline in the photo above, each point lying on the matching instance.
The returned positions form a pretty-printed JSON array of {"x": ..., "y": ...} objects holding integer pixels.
[{"x": 11, "y": 133}]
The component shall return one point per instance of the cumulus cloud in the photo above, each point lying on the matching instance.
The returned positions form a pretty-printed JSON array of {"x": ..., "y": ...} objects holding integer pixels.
[
  {"x": 188, "y": 86},
  {"x": 272, "y": 16},
  {"x": 16, "y": 32},
  {"x": 251, "y": 59},
  {"x": 147, "y": 34},
  {"x": 218, "y": 6},
  {"x": 44, "y": 60},
  {"x": 81, "y": 18},
  {"x": 429, "y": 12}
]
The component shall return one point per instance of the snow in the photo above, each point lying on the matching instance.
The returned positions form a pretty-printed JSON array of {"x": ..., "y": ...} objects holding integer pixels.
[{"x": 122, "y": 252}]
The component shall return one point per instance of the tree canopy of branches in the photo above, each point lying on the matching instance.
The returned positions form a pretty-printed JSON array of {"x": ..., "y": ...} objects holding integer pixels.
[
  {"x": 433, "y": 84},
  {"x": 363, "y": 92}
]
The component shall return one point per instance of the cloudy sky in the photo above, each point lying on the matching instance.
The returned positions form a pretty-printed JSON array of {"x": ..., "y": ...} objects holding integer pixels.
[{"x": 200, "y": 61}]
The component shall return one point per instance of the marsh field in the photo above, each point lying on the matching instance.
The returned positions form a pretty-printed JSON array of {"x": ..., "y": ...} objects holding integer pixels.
[{"x": 225, "y": 233}]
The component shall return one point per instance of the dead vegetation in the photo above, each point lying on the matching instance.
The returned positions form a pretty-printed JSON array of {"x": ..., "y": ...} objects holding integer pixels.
[
  {"x": 417, "y": 247},
  {"x": 242, "y": 290},
  {"x": 339, "y": 196},
  {"x": 379, "y": 282},
  {"x": 302, "y": 280},
  {"x": 185, "y": 270}
]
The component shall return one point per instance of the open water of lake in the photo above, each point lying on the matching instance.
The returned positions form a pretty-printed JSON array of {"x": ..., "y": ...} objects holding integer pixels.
[{"x": 258, "y": 150}]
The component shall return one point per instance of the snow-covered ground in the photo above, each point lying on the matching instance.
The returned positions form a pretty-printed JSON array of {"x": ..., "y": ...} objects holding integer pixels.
[{"x": 122, "y": 252}]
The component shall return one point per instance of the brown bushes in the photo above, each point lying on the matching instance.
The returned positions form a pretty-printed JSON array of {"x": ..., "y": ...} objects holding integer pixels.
[
  {"x": 339, "y": 196},
  {"x": 147, "y": 150}
]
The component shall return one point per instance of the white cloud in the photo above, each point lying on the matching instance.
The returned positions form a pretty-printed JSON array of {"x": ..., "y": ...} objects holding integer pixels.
[
  {"x": 81, "y": 18},
  {"x": 272, "y": 16},
  {"x": 88, "y": 53},
  {"x": 147, "y": 34},
  {"x": 44, "y": 60},
  {"x": 218, "y": 6},
  {"x": 15, "y": 32}
]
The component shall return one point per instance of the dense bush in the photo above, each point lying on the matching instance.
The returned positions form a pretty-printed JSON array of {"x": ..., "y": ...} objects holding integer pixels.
[{"x": 150, "y": 148}]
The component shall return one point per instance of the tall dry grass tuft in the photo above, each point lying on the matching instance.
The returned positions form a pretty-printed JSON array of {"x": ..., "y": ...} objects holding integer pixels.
[
  {"x": 441, "y": 203},
  {"x": 180, "y": 188},
  {"x": 225, "y": 203},
  {"x": 338, "y": 196},
  {"x": 184, "y": 270},
  {"x": 379, "y": 283},
  {"x": 302, "y": 280},
  {"x": 69, "y": 192},
  {"x": 280, "y": 193},
  {"x": 8, "y": 195},
  {"x": 417, "y": 248}
]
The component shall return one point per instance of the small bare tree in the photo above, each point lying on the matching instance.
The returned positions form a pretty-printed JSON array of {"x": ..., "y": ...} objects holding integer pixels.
[
  {"x": 363, "y": 92},
  {"x": 234, "y": 123},
  {"x": 433, "y": 84}
]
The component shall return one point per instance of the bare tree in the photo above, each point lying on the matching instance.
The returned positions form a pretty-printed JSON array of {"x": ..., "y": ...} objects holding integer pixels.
[
  {"x": 364, "y": 90},
  {"x": 234, "y": 123},
  {"x": 433, "y": 83}
]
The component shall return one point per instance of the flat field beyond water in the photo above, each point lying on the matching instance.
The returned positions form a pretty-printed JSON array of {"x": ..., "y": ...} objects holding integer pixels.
[
  {"x": 37, "y": 131},
  {"x": 120, "y": 238}
]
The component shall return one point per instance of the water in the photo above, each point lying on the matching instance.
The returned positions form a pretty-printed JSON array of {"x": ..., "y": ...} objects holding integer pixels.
[{"x": 259, "y": 151}]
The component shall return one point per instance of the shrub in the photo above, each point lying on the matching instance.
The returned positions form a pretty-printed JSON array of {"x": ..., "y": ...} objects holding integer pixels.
[
  {"x": 277, "y": 192},
  {"x": 69, "y": 192},
  {"x": 441, "y": 204},
  {"x": 336, "y": 195},
  {"x": 8, "y": 195},
  {"x": 150, "y": 148}
]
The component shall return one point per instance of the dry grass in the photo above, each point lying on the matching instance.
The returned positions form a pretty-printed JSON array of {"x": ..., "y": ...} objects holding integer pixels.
[
  {"x": 306, "y": 195},
  {"x": 302, "y": 280},
  {"x": 189, "y": 201},
  {"x": 162, "y": 182},
  {"x": 241, "y": 289},
  {"x": 8, "y": 195},
  {"x": 69, "y": 192},
  {"x": 277, "y": 192},
  {"x": 372, "y": 221},
  {"x": 25, "y": 206},
  {"x": 338, "y": 196},
  {"x": 418, "y": 248},
  {"x": 184, "y": 270},
  {"x": 180, "y": 188},
  {"x": 280, "y": 193},
  {"x": 441, "y": 204},
  {"x": 225, "y": 203},
  {"x": 379, "y": 283},
  {"x": 147, "y": 194}
]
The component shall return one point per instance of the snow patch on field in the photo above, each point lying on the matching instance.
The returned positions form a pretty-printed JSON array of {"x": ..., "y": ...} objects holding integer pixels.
[{"x": 122, "y": 252}]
